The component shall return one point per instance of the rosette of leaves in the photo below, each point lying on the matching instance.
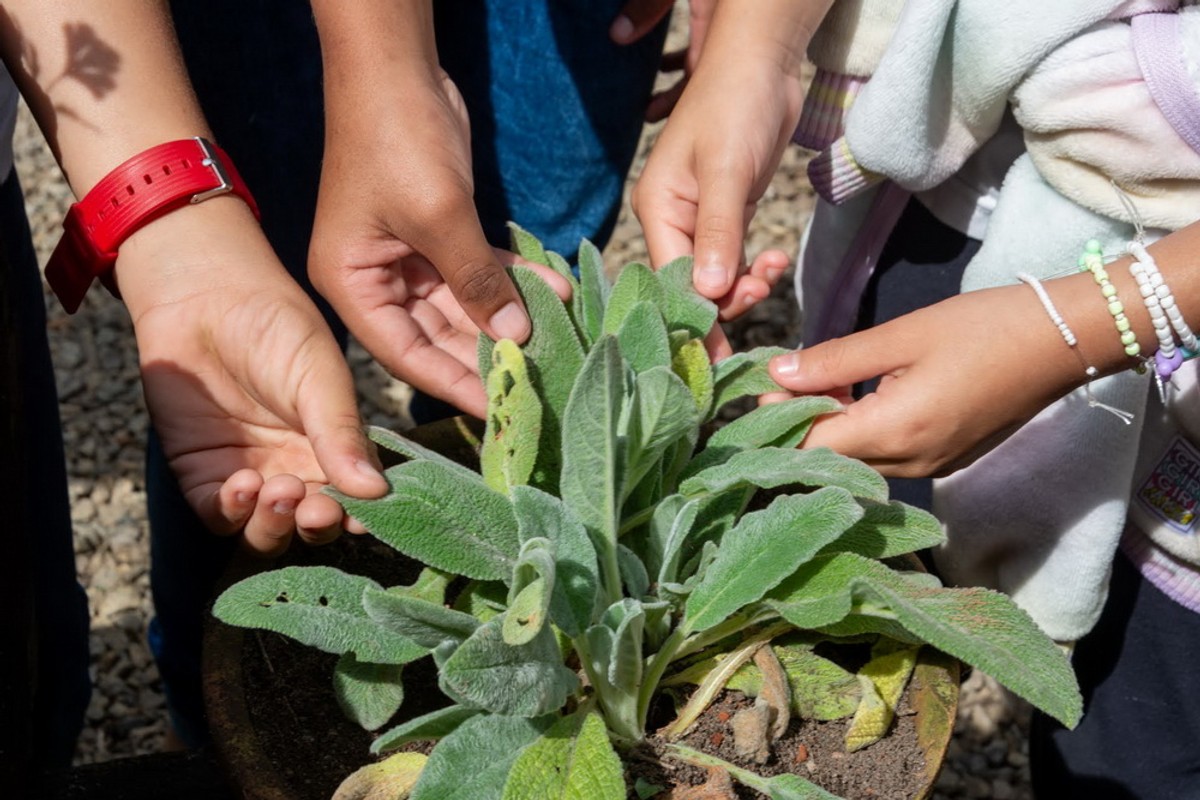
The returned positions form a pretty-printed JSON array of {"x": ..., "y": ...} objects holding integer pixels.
[{"x": 606, "y": 551}]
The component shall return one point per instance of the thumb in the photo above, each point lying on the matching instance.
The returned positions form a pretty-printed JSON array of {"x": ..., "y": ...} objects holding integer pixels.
[
  {"x": 335, "y": 432},
  {"x": 468, "y": 264}
]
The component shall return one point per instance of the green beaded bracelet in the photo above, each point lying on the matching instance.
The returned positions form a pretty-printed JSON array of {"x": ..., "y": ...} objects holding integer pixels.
[{"x": 1092, "y": 260}]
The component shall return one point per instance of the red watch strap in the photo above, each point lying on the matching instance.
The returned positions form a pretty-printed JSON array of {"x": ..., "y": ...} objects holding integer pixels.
[{"x": 147, "y": 186}]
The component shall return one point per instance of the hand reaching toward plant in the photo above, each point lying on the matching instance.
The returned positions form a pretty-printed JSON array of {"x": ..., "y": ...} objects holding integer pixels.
[
  {"x": 959, "y": 376},
  {"x": 398, "y": 249},
  {"x": 244, "y": 382},
  {"x": 721, "y": 145}
]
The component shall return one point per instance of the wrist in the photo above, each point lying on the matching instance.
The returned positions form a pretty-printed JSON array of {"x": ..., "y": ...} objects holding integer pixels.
[
  {"x": 152, "y": 184},
  {"x": 216, "y": 245}
]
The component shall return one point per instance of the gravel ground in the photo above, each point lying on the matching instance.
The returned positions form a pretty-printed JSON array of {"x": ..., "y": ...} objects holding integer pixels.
[{"x": 105, "y": 424}]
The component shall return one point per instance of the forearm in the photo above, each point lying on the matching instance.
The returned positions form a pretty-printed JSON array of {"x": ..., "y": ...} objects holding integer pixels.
[
  {"x": 370, "y": 50},
  {"x": 104, "y": 80},
  {"x": 1084, "y": 309},
  {"x": 775, "y": 31}
]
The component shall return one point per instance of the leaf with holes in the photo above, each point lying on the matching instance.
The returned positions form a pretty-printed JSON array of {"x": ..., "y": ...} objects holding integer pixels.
[{"x": 318, "y": 606}]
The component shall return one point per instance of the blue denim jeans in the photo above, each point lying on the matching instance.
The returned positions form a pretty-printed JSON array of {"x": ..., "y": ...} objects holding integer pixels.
[
  {"x": 556, "y": 111},
  {"x": 59, "y": 605}
]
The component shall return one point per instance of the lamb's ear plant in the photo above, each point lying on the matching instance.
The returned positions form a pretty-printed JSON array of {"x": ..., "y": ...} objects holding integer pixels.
[{"x": 607, "y": 551}]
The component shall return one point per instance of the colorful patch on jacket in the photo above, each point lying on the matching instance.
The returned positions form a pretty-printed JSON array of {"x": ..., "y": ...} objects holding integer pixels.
[{"x": 1172, "y": 490}]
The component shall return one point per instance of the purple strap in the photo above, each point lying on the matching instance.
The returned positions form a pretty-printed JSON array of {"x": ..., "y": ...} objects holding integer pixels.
[
  {"x": 1158, "y": 44},
  {"x": 841, "y": 309}
]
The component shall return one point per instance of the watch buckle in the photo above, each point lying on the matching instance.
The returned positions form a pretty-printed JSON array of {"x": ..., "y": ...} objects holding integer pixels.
[{"x": 213, "y": 162}]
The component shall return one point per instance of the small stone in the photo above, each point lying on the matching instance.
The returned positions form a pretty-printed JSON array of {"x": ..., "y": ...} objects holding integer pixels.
[
  {"x": 977, "y": 787},
  {"x": 117, "y": 600},
  {"x": 1002, "y": 790}
]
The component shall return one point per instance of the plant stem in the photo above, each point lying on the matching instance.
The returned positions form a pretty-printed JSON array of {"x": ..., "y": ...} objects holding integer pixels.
[
  {"x": 654, "y": 671},
  {"x": 735, "y": 624}
]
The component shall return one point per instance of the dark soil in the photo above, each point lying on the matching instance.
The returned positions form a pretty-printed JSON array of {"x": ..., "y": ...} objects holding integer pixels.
[{"x": 891, "y": 769}]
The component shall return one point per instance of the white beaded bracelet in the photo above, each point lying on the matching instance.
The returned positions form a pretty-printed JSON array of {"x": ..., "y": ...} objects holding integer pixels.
[
  {"x": 1069, "y": 337},
  {"x": 1052, "y": 311},
  {"x": 1163, "y": 295}
]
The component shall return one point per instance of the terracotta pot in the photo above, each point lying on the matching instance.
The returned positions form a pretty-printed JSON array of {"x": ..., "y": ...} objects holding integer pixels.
[{"x": 235, "y": 658}]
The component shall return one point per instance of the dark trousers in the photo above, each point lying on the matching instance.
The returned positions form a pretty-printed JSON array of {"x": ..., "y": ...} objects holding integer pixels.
[
  {"x": 61, "y": 685},
  {"x": 1140, "y": 734}
]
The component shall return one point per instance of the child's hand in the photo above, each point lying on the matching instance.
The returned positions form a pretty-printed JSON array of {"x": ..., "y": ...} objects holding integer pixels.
[
  {"x": 956, "y": 378},
  {"x": 244, "y": 382}
]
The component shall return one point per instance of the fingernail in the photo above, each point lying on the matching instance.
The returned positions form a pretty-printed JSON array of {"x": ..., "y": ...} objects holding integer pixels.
[
  {"x": 786, "y": 366},
  {"x": 622, "y": 29},
  {"x": 284, "y": 506},
  {"x": 244, "y": 497},
  {"x": 775, "y": 273},
  {"x": 713, "y": 277},
  {"x": 368, "y": 469},
  {"x": 510, "y": 322}
]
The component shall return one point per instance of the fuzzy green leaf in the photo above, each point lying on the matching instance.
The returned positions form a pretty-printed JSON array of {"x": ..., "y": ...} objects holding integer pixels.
[
  {"x": 633, "y": 572},
  {"x": 683, "y": 307},
  {"x": 574, "y": 760},
  {"x": 990, "y": 632},
  {"x": 442, "y": 518},
  {"x": 527, "y": 680},
  {"x": 771, "y": 467},
  {"x": 530, "y": 593},
  {"x": 744, "y": 374},
  {"x": 427, "y": 727},
  {"x": 428, "y": 624},
  {"x": 675, "y": 536},
  {"x": 553, "y": 355},
  {"x": 662, "y": 415},
  {"x": 592, "y": 455},
  {"x": 643, "y": 338},
  {"x": 592, "y": 296},
  {"x": 690, "y": 362},
  {"x": 635, "y": 284},
  {"x": 627, "y": 619},
  {"x": 526, "y": 245},
  {"x": 576, "y": 582},
  {"x": 390, "y": 440},
  {"x": 369, "y": 694},
  {"x": 526, "y": 613},
  {"x": 317, "y": 606},
  {"x": 776, "y": 425},
  {"x": 765, "y": 548},
  {"x": 890, "y": 529},
  {"x": 489, "y": 743},
  {"x": 981, "y": 627},
  {"x": 514, "y": 421}
]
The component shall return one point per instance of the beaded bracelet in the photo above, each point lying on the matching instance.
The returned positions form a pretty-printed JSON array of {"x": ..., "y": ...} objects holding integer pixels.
[
  {"x": 1163, "y": 312},
  {"x": 1092, "y": 261},
  {"x": 1069, "y": 337}
]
